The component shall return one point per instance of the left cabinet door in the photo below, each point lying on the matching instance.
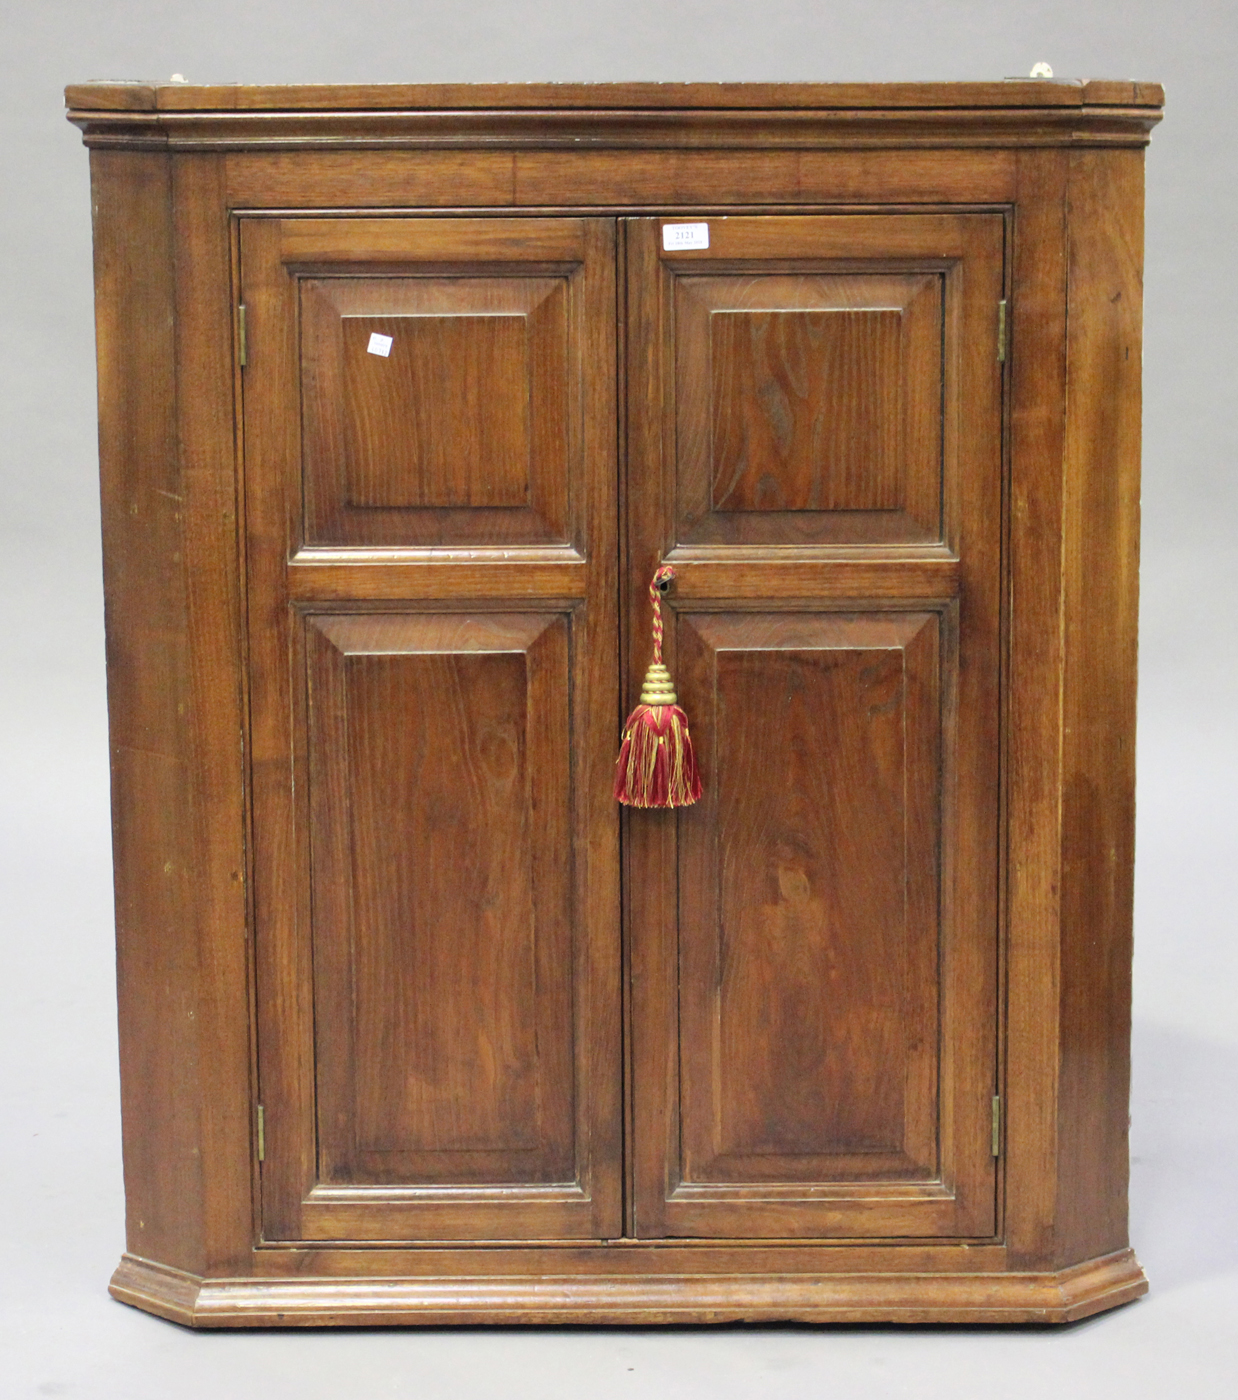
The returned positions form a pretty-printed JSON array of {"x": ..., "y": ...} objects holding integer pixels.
[{"x": 429, "y": 460}]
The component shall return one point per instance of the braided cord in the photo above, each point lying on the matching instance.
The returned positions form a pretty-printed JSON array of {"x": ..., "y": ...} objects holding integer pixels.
[{"x": 663, "y": 574}]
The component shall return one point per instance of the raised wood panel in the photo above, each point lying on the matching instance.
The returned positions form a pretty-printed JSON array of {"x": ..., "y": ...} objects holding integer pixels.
[
  {"x": 443, "y": 418},
  {"x": 819, "y": 1002},
  {"x": 808, "y": 1005},
  {"x": 460, "y": 430},
  {"x": 472, "y": 429},
  {"x": 810, "y": 389},
  {"x": 804, "y": 410},
  {"x": 439, "y": 755},
  {"x": 811, "y": 395}
]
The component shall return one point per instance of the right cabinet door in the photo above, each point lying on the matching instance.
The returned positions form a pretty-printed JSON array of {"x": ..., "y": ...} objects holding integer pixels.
[{"x": 814, "y": 439}]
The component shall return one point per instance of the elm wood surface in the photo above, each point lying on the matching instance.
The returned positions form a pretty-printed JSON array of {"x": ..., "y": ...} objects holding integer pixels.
[
  {"x": 808, "y": 974},
  {"x": 1101, "y": 603},
  {"x": 1076, "y": 331},
  {"x": 439, "y": 749},
  {"x": 600, "y": 1297},
  {"x": 172, "y": 587},
  {"x": 859, "y": 857},
  {"x": 808, "y": 408},
  {"x": 468, "y": 431},
  {"x": 772, "y": 370},
  {"x": 879, "y": 437},
  {"x": 155, "y": 798},
  {"x": 615, "y": 180},
  {"x": 177, "y": 598},
  {"x": 1015, "y": 92},
  {"x": 397, "y": 440},
  {"x": 400, "y": 751},
  {"x": 620, "y": 130},
  {"x": 691, "y": 116}
]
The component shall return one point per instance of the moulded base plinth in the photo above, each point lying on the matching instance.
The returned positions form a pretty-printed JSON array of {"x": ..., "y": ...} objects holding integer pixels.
[{"x": 598, "y": 1299}]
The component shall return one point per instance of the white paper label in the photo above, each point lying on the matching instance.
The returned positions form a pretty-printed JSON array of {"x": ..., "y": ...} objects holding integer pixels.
[
  {"x": 379, "y": 345},
  {"x": 677, "y": 237}
]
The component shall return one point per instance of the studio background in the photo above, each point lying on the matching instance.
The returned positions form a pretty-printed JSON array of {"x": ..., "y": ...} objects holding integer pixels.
[{"x": 60, "y": 1173}]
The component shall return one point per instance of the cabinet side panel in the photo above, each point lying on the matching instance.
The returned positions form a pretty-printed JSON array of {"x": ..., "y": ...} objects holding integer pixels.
[
  {"x": 1101, "y": 582},
  {"x": 162, "y": 268},
  {"x": 1037, "y": 398},
  {"x": 149, "y": 687}
]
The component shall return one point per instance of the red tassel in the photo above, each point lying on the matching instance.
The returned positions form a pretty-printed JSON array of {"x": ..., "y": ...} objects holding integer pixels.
[{"x": 657, "y": 767}]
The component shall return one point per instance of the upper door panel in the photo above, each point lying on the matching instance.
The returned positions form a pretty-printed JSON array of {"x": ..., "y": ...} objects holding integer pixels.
[
  {"x": 810, "y": 399},
  {"x": 443, "y": 378},
  {"x": 808, "y": 407}
]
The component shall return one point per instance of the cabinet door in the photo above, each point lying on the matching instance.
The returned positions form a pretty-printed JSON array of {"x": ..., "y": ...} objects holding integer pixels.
[
  {"x": 429, "y": 433},
  {"x": 814, "y": 440}
]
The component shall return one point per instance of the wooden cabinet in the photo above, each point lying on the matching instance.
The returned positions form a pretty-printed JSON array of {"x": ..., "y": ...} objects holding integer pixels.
[{"x": 404, "y": 394}]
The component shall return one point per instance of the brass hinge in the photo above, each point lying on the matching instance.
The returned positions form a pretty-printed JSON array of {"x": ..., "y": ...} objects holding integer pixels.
[
  {"x": 1001, "y": 331},
  {"x": 242, "y": 341},
  {"x": 997, "y": 1126},
  {"x": 262, "y": 1134}
]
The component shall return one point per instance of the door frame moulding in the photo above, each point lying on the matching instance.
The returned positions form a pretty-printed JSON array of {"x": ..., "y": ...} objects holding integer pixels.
[{"x": 1065, "y": 1295}]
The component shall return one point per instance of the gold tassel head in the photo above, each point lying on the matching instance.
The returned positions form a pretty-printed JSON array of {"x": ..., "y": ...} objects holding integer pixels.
[{"x": 657, "y": 689}]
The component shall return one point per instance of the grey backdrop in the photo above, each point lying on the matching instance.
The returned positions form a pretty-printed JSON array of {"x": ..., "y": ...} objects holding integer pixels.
[{"x": 60, "y": 1186}]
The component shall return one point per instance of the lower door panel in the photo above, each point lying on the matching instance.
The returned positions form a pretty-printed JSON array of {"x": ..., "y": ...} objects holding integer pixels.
[
  {"x": 824, "y": 1041},
  {"x": 453, "y": 1081}
]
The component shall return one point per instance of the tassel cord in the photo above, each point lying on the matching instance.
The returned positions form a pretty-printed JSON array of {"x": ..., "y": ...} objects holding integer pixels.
[
  {"x": 657, "y": 765},
  {"x": 664, "y": 574}
]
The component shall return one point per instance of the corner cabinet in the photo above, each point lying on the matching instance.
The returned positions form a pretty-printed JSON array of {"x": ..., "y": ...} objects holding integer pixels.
[{"x": 405, "y": 392}]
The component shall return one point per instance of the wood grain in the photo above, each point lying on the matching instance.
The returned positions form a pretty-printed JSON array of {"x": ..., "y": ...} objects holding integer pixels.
[
  {"x": 402, "y": 1099},
  {"x": 459, "y": 435},
  {"x": 344, "y": 96},
  {"x": 154, "y": 795},
  {"x": 420, "y": 241},
  {"x": 808, "y": 1011},
  {"x": 757, "y": 116},
  {"x": 1037, "y": 390},
  {"x": 601, "y": 1298},
  {"x": 516, "y": 131},
  {"x": 469, "y": 432},
  {"x": 386, "y": 180},
  {"x": 167, "y": 469},
  {"x": 308, "y": 552},
  {"x": 808, "y": 408},
  {"x": 1100, "y": 617},
  {"x": 802, "y": 409},
  {"x": 716, "y": 988},
  {"x": 446, "y": 421},
  {"x": 439, "y": 749}
]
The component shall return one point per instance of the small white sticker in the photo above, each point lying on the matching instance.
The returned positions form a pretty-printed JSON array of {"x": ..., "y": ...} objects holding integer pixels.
[
  {"x": 677, "y": 237},
  {"x": 379, "y": 345}
]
